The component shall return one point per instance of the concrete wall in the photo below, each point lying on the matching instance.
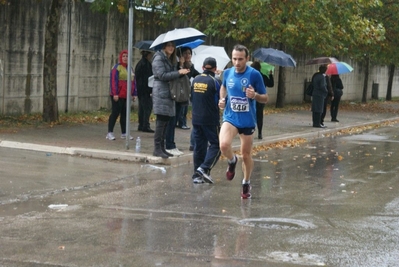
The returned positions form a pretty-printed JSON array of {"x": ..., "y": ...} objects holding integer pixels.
[
  {"x": 89, "y": 44},
  {"x": 353, "y": 82}
]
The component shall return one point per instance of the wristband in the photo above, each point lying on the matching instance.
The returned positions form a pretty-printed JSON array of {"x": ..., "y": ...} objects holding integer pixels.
[{"x": 254, "y": 96}]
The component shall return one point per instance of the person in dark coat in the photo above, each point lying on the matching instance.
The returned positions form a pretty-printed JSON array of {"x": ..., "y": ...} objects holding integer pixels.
[
  {"x": 269, "y": 82},
  {"x": 206, "y": 122},
  {"x": 164, "y": 69},
  {"x": 320, "y": 92},
  {"x": 330, "y": 96},
  {"x": 184, "y": 54},
  {"x": 337, "y": 87},
  {"x": 143, "y": 71}
]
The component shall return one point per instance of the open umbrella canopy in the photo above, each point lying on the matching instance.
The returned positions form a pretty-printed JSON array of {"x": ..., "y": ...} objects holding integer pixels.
[
  {"x": 203, "y": 51},
  {"x": 144, "y": 45},
  {"x": 322, "y": 60},
  {"x": 192, "y": 44},
  {"x": 338, "y": 68},
  {"x": 178, "y": 36},
  {"x": 274, "y": 56},
  {"x": 265, "y": 68}
]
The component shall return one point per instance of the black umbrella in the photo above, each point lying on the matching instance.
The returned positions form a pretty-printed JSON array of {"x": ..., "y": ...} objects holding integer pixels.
[
  {"x": 322, "y": 60},
  {"x": 274, "y": 56},
  {"x": 144, "y": 45}
]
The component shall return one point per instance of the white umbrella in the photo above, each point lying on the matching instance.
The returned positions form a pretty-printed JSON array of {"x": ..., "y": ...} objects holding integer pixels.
[
  {"x": 178, "y": 36},
  {"x": 203, "y": 51}
]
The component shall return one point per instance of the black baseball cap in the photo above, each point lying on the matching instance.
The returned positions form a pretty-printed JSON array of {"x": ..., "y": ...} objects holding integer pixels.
[{"x": 209, "y": 63}]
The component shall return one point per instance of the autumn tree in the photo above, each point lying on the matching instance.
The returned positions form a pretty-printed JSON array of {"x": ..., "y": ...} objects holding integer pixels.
[
  {"x": 386, "y": 51},
  {"x": 317, "y": 27},
  {"x": 50, "y": 103}
]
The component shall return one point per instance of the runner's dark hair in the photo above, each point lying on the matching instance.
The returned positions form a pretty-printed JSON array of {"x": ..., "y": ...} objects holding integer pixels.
[{"x": 240, "y": 48}]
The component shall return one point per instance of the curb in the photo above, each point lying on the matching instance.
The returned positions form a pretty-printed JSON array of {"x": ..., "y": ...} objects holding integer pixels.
[{"x": 174, "y": 161}]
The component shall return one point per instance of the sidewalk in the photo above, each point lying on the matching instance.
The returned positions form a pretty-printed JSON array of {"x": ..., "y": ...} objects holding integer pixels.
[{"x": 89, "y": 139}]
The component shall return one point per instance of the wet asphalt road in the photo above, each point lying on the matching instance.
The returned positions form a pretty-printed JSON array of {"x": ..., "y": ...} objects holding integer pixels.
[{"x": 330, "y": 202}]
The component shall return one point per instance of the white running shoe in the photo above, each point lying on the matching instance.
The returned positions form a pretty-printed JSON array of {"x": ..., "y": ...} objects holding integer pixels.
[
  {"x": 172, "y": 151},
  {"x": 123, "y": 136},
  {"x": 110, "y": 136},
  {"x": 178, "y": 152}
]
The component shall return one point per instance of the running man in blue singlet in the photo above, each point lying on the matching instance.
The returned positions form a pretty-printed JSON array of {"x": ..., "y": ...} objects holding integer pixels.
[{"x": 242, "y": 87}]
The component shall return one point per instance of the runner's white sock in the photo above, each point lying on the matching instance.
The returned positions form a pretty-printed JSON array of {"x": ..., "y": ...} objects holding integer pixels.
[{"x": 233, "y": 160}]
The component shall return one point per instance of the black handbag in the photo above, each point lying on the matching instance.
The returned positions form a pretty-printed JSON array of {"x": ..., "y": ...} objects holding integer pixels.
[
  {"x": 309, "y": 89},
  {"x": 180, "y": 89}
]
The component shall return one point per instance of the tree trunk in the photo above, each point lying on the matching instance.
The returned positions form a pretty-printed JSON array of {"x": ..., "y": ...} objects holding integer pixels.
[
  {"x": 366, "y": 79},
  {"x": 50, "y": 104},
  {"x": 281, "y": 88},
  {"x": 390, "y": 82}
]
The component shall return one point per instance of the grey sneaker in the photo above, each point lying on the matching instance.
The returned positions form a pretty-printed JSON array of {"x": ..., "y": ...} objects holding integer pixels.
[
  {"x": 197, "y": 179},
  {"x": 123, "y": 136},
  {"x": 110, "y": 136},
  {"x": 205, "y": 175}
]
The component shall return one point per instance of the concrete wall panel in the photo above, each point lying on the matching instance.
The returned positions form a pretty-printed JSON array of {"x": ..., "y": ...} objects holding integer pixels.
[{"x": 89, "y": 45}]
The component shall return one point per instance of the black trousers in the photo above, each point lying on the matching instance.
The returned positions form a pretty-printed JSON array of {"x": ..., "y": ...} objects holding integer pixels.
[
  {"x": 323, "y": 115},
  {"x": 259, "y": 116},
  {"x": 118, "y": 108},
  {"x": 145, "y": 109},
  {"x": 334, "y": 107},
  {"x": 206, "y": 149}
]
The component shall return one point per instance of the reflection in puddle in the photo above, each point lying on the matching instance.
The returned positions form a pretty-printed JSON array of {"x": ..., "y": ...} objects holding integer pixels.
[
  {"x": 297, "y": 258},
  {"x": 277, "y": 223},
  {"x": 366, "y": 137}
]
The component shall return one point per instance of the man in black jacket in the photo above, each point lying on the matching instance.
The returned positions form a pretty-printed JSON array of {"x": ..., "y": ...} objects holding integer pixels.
[
  {"x": 143, "y": 71},
  {"x": 206, "y": 124}
]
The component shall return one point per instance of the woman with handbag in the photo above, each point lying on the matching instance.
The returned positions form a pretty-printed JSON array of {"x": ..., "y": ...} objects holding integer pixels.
[{"x": 164, "y": 70}]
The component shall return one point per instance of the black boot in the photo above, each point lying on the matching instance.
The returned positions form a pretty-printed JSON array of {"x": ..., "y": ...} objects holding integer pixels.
[
  {"x": 158, "y": 139},
  {"x": 334, "y": 115},
  {"x": 163, "y": 141},
  {"x": 164, "y": 149}
]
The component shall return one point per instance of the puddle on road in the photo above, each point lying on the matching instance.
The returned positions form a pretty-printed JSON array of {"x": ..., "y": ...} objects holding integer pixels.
[
  {"x": 296, "y": 258},
  {"x": 277, "y": 223},
  {"x": 366, "y": 139}
]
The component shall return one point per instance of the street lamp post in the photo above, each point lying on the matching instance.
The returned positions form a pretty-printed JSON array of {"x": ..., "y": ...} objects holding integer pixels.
[{"x": 129, "y": 77}]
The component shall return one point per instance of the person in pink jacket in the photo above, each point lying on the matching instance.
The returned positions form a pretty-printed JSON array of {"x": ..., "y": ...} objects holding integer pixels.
[{"x": 118, "y": 94}]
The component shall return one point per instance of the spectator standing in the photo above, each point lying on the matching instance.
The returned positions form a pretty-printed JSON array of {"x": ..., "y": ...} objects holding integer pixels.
[
  {"x": 164, "y": 69},
  {"x": 143, "y": 71},
  {"x": 184, "y": 54},
  {"x": 337, "y": 87},
  {"x": 269, "y": 82},
  {"x": 319, "y": 94},
  {"x": 330, "y": 96},
  {"x": 118, "y": 95},
  {"x": 205, "y": 122}
]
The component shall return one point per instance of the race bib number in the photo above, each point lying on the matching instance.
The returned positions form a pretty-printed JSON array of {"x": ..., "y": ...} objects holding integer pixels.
[{"x": 239, "y": 104}]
